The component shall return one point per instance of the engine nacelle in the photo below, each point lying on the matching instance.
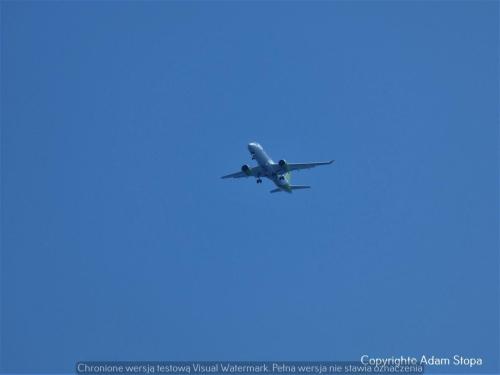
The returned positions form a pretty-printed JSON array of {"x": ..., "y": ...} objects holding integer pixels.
[
  {"x": 283, "y": 164},
  {"x": 246, "y": 170}
]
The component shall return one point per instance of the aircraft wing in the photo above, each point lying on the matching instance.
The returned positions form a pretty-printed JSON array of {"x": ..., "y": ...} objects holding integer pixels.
[
  {"x": 255, "y": 172},
  {"x": 298, "y": 166}
]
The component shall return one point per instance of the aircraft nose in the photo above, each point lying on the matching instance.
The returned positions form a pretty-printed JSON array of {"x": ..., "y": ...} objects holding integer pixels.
[{"x": 252, "y": 146}]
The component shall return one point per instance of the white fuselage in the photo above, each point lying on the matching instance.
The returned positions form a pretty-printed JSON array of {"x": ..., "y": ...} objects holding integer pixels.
[{"x": 268, "y": 167}]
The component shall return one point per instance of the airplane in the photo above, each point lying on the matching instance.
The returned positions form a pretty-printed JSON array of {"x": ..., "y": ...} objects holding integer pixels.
[{"x": 279, "y": 172}]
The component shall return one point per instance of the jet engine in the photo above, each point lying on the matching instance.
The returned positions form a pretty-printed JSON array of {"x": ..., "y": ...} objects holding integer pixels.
[
  {"x": 283, "y": 164},
  {"x": 246, "y": 170}
]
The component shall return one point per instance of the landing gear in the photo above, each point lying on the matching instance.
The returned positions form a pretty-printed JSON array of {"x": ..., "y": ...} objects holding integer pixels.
[
  {"x": 259, "y": 181},
  {"x": 281, "y": 178}
]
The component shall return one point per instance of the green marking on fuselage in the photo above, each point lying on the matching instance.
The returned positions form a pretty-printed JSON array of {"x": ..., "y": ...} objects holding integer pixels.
[{"x": 287, "y": 187}]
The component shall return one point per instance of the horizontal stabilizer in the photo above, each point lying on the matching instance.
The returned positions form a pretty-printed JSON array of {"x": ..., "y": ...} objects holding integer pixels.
[{"x": 292, "y": 187}]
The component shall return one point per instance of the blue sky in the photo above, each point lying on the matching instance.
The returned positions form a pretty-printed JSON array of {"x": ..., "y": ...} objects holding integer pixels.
[{"x": 120, "y": 242}]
